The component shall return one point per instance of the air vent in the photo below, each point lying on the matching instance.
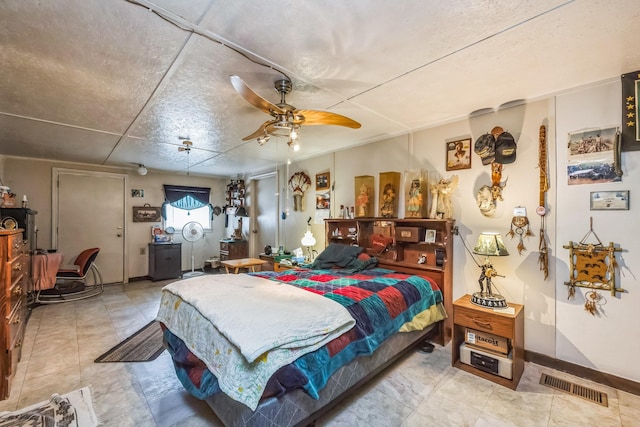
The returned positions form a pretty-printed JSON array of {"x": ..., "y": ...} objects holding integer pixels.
[{"x": 586, "y": 393}]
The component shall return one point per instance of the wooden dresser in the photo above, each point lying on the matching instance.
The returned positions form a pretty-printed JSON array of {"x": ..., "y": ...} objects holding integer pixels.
[
  {"x": 13, "y": 303},
  {"x": 233, "y": 249}
]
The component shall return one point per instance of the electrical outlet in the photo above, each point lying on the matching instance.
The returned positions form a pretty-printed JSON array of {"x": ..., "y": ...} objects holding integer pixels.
[{"x": 143, "y": 251}]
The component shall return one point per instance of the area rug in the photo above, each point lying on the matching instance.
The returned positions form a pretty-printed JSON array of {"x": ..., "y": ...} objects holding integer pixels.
[
  {"x": 143, "y": 346},
  {"x": 73, "y": 409}
]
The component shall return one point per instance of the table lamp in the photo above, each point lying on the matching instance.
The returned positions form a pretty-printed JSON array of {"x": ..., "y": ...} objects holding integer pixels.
[
  {"x": 489, "y": 244},
  {"x": 308, "y": 240}
]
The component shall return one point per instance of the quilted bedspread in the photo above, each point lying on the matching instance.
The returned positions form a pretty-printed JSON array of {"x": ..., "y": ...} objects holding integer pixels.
[{"x": 379, "y": 300}]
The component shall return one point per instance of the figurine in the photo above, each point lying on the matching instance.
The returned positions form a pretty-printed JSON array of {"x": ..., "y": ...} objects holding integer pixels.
[
  {"x": 414, "y": 205},
  {"x": 441, "y": 201},
  {"x": 485, "y": 277},
  {"x": 388, "y": 196},
  {"x": 363, "y": 200}
]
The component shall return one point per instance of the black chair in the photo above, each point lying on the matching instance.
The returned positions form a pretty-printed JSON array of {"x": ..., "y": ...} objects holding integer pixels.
[{"x": 71, "y": 281}]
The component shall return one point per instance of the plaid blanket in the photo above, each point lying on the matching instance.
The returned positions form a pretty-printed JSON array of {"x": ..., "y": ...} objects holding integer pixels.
[{"x": 380, "y": 301}]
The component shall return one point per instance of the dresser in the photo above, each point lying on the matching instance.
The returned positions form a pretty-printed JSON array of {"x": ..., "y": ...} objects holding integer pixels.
[
  {"x": 14, "y": 267},
  {"x": 233, "y": 249},
  {"x": 165, "y": 261}
]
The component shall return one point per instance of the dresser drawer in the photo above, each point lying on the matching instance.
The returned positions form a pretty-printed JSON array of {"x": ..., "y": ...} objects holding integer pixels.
[
  {"x": 224, "y": 246},
  {"x": 16, "y": 245},
  {"x": 483, "y": 321},
  {"x": 16, "y": 321},
  {"x": 18, "y": 290}
]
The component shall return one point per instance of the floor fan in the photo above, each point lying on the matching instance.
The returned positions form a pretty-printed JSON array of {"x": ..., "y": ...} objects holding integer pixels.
[{"x": 191, "y": 232}]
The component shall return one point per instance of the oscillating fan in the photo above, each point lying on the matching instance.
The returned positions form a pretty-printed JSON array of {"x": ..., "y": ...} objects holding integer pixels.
[{"x": 191, "y": 232}]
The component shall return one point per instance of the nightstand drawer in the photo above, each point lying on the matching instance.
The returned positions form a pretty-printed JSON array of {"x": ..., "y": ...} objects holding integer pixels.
[{"x": 481, "y": 320}]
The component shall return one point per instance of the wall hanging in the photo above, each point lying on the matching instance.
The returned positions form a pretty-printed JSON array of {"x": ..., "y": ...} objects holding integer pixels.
[
  {"x": 146, "y": 213},
  {"x": 630, "y": 117},
  {"x": 592, "y": 156},
  {"x": 520, "y": 227},
  {"x": 543, "y": 255},
  {"x": 298, "y": 184},
  {"x": 592, "y": 266}
]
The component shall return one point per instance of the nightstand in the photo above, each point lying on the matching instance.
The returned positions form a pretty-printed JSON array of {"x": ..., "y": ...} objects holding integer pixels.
[{"x": 509, "y": 326}]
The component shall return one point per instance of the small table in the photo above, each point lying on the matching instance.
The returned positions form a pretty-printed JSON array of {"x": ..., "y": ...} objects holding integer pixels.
[{"x": 237, "y": 264}]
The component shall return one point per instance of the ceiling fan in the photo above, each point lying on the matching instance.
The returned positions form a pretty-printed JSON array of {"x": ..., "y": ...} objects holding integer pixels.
[{"x": 287, "y": 119}]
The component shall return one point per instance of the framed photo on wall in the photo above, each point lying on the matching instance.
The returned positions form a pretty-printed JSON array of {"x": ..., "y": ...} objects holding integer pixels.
[
  {"x": 323, "y": 181},
  {"x": 609, "y": 200},
  {"x": 459, "y": 154}
]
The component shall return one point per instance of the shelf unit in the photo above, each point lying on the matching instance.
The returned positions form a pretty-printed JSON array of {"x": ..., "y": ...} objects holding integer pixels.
[
  {"x": 407, "y": 247},
  {"x": 510, "y": 326}
]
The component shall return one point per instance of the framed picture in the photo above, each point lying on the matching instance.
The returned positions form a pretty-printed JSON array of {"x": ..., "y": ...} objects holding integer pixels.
[
  {"x": 459, "y": 154},
  {"x": 609, "y": 200},
  {"x": 430, "y": 236},
  {"x": 322, "y": 181},
  {"x": 146, "y": 213},
  {"x": 137, "y": 192}
]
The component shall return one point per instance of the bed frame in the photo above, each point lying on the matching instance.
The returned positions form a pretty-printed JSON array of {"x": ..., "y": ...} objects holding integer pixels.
[{"x": 299, "y": 409}]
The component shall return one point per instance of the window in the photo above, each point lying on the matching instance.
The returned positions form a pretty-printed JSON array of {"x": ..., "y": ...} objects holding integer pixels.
[
  {"x": 186, "y": 204},
  {"x": 177, "y": 217}
]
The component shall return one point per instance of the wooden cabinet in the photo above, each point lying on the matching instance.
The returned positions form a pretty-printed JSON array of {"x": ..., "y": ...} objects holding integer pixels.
[
  {"x": 233, "y": 249},
  {"x": 496, "y": 322},
  {"x": 416, "y": 246},
  {"x": 165, "y": 260},
  {"x": 14, "y": 278}
]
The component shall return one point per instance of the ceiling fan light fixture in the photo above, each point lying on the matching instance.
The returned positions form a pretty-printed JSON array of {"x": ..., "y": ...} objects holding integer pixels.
[
  {"x": 263, "y": 139},
  {"x": 293, "y": 143},
  {"x": 142, "y": 169},
  {"x": 294, "y": 134}
]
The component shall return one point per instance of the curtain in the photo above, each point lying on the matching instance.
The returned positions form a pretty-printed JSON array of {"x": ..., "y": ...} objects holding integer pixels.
[{"x": 187, "y": 198}]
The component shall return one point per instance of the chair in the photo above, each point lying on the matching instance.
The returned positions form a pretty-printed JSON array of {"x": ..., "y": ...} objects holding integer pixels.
[{"x": 71, "y": 280}]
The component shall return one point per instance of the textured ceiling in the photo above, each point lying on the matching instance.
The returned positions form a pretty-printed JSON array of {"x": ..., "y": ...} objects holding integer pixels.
[{"x": 108, "y": 82}]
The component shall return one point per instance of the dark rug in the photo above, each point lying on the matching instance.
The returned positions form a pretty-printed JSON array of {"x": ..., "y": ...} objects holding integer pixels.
[{"x": 143, "y": 346}]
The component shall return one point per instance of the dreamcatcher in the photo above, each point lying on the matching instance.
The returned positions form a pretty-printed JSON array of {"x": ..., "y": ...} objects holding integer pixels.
[
  {"x": 592, "y": 266},
  {"x": 520, "y": 227},
  {"x": 298, "y": 184}
]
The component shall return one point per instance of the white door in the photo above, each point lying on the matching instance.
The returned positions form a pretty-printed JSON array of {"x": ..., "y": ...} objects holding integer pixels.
[
  {"x": 88, "y": 212},
  {"x": 266, "y": 213}
]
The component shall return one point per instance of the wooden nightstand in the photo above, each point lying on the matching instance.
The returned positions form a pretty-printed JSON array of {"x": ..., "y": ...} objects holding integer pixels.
[{"x": 509, "y": 326}]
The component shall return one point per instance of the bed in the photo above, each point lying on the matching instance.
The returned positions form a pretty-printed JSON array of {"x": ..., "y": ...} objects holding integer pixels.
[{"x": 341, "y": 322}]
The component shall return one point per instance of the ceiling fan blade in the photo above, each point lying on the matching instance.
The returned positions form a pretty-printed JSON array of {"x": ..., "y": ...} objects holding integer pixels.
[
  {"x": 315, "y": 117},
  {"x": 253, "y": 98},
  {"x": 260, "y": 131}
]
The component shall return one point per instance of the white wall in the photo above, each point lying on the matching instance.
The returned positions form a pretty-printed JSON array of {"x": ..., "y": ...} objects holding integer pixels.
[
  {"x": 609, "y": 342},
  {"x": 33, "y": 178},
  {"x": 554, "y": 326}
]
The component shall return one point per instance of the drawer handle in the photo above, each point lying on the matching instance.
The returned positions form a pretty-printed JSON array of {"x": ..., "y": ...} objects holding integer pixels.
[
  {"x": 17, "y": 291},
  {"x": 482, "y": 323},
  {"x": 16, "y": 320},
  {"x": 18, "y": 344},
  {"x": 17, "y": 266},
  {"x": 17, "y": 245}
]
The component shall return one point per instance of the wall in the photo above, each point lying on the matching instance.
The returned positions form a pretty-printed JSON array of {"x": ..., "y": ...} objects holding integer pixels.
[
  {"x": 33, "y": 178},
  {"x": 554, "y": 326},
  {"x": 609, "y": 342}
]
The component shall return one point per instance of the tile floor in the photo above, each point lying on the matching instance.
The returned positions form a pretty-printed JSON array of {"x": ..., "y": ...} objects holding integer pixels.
[{"x": 62, "y": 340}]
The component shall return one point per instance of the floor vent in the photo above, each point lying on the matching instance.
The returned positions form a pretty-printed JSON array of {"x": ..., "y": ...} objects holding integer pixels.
[{"x": 586, "y": 393}]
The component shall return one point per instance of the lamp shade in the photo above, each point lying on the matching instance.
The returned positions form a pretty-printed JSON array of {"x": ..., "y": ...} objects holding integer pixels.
[
  {"x": 308, "y": 239},
  {"x": 241, "y": 211},
  {"x": 490, "y": 244}
]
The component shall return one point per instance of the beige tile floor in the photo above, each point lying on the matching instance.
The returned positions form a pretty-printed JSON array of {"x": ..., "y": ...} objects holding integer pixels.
[{"x": 62, "y": 340}]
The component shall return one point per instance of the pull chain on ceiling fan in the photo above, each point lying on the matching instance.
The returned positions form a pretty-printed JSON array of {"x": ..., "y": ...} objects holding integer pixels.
[{"x": 287, "y": 119}]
